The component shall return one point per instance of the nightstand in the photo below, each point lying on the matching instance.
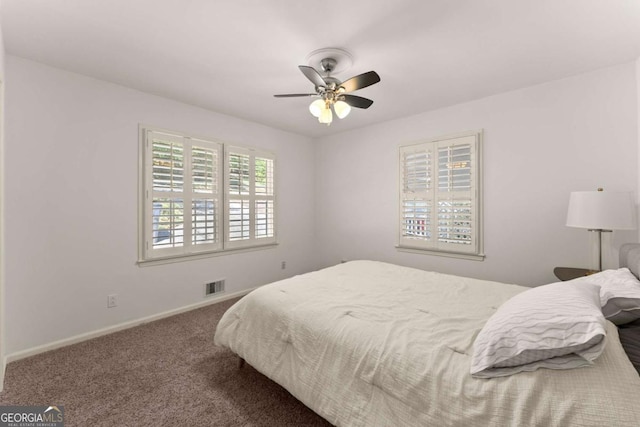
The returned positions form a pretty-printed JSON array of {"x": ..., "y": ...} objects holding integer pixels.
[{"x": 568, "y": 273}]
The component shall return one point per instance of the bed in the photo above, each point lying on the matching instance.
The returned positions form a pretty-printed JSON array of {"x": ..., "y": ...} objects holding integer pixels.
[{"x": 367, "y": 343}]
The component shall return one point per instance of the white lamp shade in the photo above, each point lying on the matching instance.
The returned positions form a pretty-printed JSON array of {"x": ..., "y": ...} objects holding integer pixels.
[
  {"x": 326, "y": 116},
  {"x": 342, "y": 109},
  {"x": 601, "y": 210},
  {"x": 316, "y": 107}
]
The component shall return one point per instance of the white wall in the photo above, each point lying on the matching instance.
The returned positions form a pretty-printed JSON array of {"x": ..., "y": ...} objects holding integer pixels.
[
  {"x": 71, "y": 192},
  {"x": 71, "y": 206},
  {"x": 2, "y": 298},
  {"x": 638, "y": 128},
  {"x": 540, "y": 144}
]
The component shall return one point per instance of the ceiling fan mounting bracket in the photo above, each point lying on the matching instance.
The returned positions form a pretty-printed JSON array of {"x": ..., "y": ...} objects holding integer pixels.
[{"x": 335, "y": 60}]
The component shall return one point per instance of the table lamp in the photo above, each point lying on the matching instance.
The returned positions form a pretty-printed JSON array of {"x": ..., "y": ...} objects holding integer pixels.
[{"x": 601, "y": 211}]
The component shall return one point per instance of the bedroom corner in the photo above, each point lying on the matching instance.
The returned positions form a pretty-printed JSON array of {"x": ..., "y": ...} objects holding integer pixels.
[{"x": 184, "y": 240}]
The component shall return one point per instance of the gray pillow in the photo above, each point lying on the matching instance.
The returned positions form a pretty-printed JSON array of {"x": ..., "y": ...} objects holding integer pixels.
[
  {"x": 619, "y": 294},
  {"x": 556, "y": 326}
]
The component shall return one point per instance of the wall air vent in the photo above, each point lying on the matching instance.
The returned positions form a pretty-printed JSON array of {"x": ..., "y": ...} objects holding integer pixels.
[{"x": 214, "y": 287}]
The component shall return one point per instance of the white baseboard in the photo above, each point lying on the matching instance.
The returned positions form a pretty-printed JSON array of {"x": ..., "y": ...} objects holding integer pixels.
[{"x": 119, "y": 327}]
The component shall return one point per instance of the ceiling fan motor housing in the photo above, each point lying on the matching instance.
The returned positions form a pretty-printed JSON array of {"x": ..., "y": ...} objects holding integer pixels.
[{"x": 328, "y": 65}]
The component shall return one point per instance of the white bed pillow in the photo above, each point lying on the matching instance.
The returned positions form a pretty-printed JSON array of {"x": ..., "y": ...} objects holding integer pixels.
[
  {"x": 619, "y": 294},
  {"x": 556, "y": 326}
]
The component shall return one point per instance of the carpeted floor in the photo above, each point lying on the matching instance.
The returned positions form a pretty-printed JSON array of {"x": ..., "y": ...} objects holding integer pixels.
[{"x": 164, "y": 373}]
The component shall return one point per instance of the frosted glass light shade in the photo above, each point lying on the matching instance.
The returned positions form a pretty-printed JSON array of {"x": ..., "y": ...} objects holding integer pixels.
[
  {"x": 342, "y": 109},
  {"x": 326, "y": 116},
  {"x": 316, "y": 107},
  {"x": 601, "y": 210}
]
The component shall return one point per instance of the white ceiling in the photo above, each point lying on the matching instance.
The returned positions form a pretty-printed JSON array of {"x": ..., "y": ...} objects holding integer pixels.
[{"x": 231, "y": 56}]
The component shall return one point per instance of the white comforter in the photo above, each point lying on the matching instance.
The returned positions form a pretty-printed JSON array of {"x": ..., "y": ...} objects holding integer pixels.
[{"x": 373, "y": 344}]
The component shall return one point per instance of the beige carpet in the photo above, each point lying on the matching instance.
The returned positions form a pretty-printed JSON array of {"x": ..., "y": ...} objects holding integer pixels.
[{"x": 164, "y": 373}]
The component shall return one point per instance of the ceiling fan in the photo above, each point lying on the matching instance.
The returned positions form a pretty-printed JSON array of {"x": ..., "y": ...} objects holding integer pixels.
[{"x": 334, "y": 93}]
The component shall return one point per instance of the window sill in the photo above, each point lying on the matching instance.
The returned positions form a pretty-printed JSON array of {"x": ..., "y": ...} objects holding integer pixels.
[
  {"x": 459, "y": 255},
  {"x": 201, "y": 255}
]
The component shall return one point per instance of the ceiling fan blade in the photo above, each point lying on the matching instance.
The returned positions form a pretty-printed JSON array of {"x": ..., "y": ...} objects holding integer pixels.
[
  {"x": 293, "y": 95},
  {"x": 312, "y": 75},
  {"x": 360, "y": 81},
  {"x": 357, "y": 101}
]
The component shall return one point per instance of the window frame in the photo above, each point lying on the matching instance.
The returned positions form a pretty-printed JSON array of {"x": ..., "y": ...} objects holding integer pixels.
[
  {"x": 189, "y": 250},
  {"x": 433, "y": 246}
]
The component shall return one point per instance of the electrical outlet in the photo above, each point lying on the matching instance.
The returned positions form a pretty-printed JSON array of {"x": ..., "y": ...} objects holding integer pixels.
[
  {"x": 112, "y": 300},
  {"x": 283, "y": 265}
]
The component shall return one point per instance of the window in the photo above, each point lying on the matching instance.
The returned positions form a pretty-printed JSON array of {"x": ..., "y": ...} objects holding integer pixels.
[
  {"x": 200, "y": 196},
  {"x": 250, "y": 202},
  {"x": 440, "y": 195}
]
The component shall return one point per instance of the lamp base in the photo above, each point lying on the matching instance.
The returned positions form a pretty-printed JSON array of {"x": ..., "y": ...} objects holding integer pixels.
[{"x": 598, "y": 244}]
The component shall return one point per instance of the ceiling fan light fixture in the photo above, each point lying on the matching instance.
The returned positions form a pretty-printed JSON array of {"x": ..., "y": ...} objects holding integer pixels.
[
  {"x": 326, "y": 116},
  {"x": 342, "y": 109},
  {"x": 335, "y": 94},
  {"x": 316, "y": 107}
]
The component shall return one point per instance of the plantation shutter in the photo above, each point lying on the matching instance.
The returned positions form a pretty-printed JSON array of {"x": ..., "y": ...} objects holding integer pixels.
[
  {"x": 417, "y": 195},
  {"x": 182, "y": 201},
  {"x": 206, "y": 210},
  {"x": 440, "y": 195},
  {"x": 250, "y": 197}
]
